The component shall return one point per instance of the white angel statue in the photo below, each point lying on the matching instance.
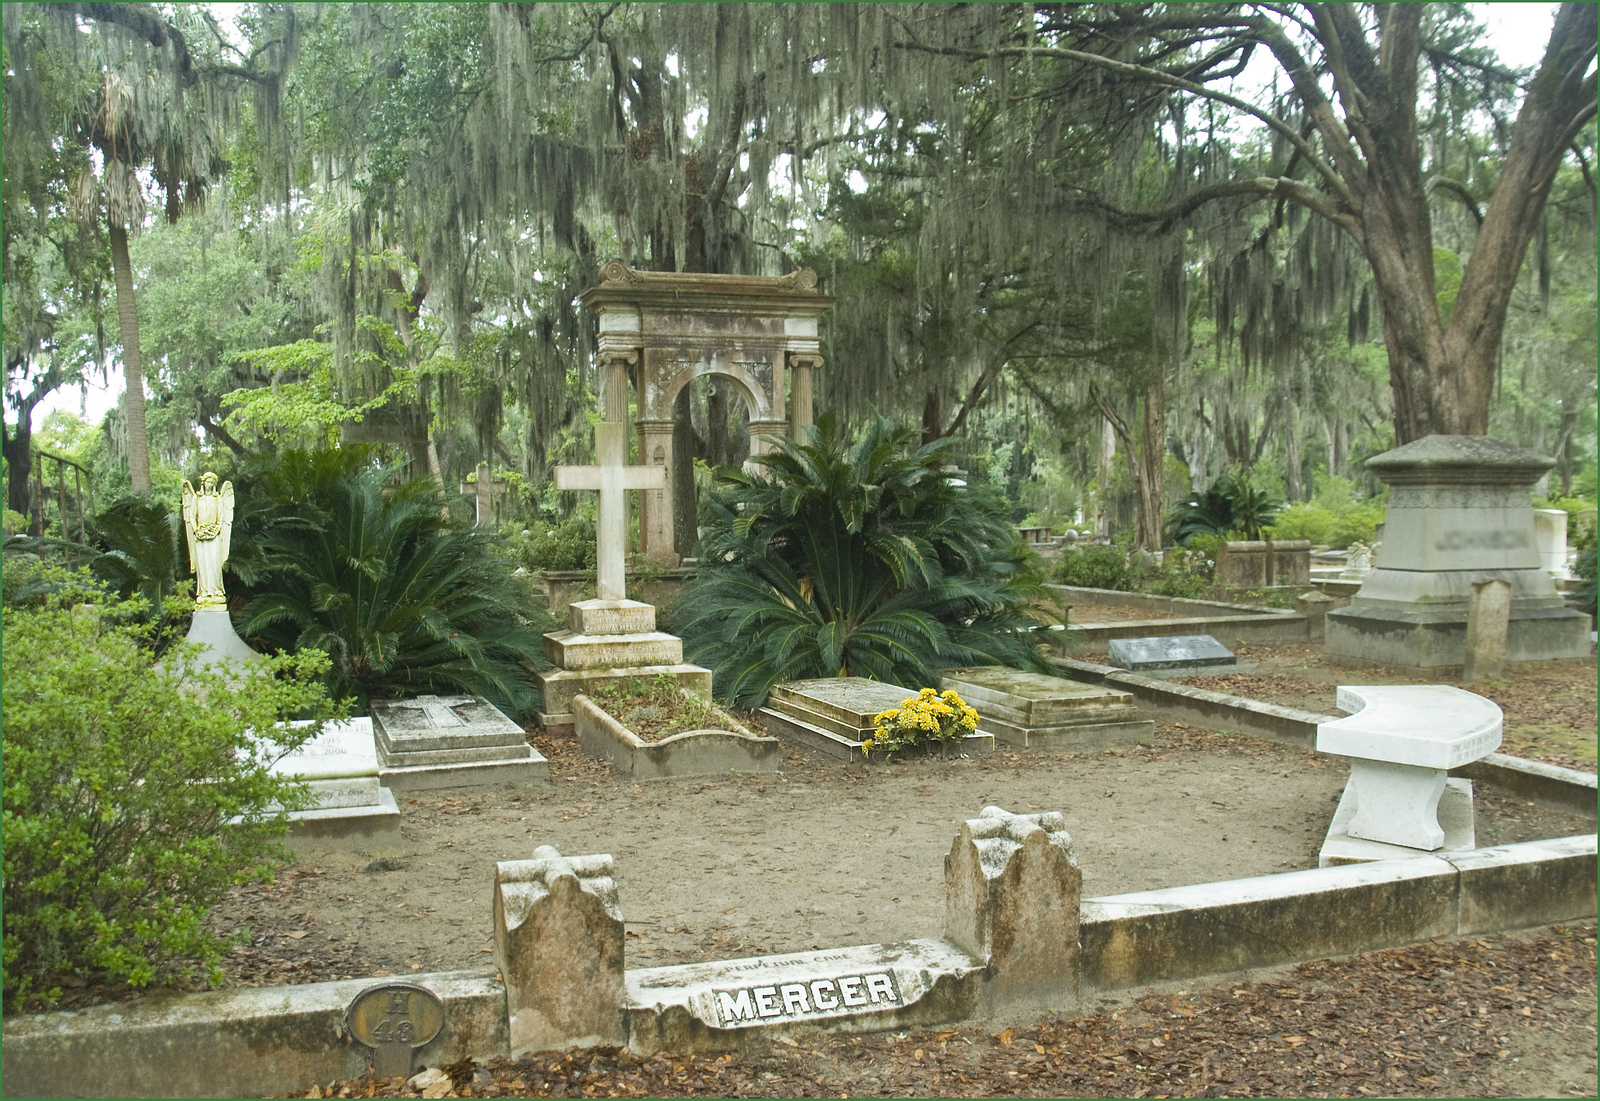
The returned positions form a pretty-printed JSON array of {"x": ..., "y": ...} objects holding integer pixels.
[{"x": 208, "y": 520}]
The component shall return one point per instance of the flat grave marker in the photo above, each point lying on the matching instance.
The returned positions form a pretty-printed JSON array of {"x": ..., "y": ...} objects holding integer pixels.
[
  {"x": 1185, "y": 653},
  {"x": 340, "y": 767},
  {"x": 1045, "y": 712}
]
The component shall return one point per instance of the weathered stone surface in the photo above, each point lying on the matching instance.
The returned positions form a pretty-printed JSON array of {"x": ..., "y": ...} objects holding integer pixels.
[
  {"x": 248, "y": 1042},
  {"x": 574, "y": 652},
  {"x": 1035, "y": 710},
  {"x": 1203, "y": 929},
  {"x": 1315, "y": 606},
  {"x": 451, "y": 741},
  {"x": 1518, "y": 886},
  {"x": 610, "y": 617},
  {"x": 727, "y": 1005},
  {"x": 1488, "y": 616},
  {"x": 213, "y": 629},
  {"x": 1459, "y": 513},
  {"x": 730, "y": 747},
  {"x": 1012, "y": 887},
  {"x": 558, "y": 943},
  {"x": 1140, "y": 655},
  {"x": 836, "y": 714},
  {"x": 1255, "y": 564},
  {"x": 1550, "y": 540},
  {"x": 560, "y": 686}
]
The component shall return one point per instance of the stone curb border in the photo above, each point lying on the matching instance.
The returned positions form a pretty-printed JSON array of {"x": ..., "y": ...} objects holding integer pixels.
[
  {"x": 1227, "y": 714},
  {"x": 1229, "y": 622},
  {"x": 714, "y": 751},
  {"x": 241, "y": 1043}
]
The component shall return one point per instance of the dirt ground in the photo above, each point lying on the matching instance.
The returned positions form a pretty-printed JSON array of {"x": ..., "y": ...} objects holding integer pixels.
[
  {"x": 1502, "y": 1016},
  {"x": 823, "y": 854}
]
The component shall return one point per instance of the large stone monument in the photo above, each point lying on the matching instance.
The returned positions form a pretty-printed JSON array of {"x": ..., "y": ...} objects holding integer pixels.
[
  {"x": 208, "y": 526},
  {"x": 610, "y": 637},
  {"x": 1460, "y": 512},
  {"x": 757, "y": 333}
]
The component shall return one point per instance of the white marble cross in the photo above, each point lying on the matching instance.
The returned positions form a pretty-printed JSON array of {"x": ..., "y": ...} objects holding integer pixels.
[
  {"x": 612, "y": 477},
  {"x": 484, "y": 490}
]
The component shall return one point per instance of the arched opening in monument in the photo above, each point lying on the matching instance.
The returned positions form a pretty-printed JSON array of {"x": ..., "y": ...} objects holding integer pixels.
[{"x": 710, "y": 422}]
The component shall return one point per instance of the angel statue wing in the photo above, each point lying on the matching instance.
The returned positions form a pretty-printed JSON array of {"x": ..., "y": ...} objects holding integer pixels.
[
  {"x": 190, "y": 509},
  {"x": 225, "y": 520}
]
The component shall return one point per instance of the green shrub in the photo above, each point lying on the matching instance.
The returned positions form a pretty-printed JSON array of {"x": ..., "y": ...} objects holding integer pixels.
[
  {"x": 118, "y": 787},
  {"x": 856, "y": 558},
  {"x": 1098, "y": 567},
  {"x": 335, "y": 558},
  {"x": 1232, "y": 504},
  {"x": 569, "y": 545}
]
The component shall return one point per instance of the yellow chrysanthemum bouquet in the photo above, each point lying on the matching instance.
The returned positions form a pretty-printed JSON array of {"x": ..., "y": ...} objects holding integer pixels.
[{"x": 928, "y": 718}]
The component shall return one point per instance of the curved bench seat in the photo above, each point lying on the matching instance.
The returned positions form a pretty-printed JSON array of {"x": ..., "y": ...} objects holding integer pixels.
[{"x": 1426, "y": 725}]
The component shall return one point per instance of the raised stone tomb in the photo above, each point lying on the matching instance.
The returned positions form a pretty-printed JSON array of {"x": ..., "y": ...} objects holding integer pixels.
[
  {"x": 1035, "y": 710},
  {"x": 451, "y": 741},
  {"x": 340, "y": 767},
  {"x": 1401, "y": 740},
  {"x": 836, "y": 714}
]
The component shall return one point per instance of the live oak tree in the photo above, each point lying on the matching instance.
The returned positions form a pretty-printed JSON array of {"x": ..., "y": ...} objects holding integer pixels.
[{"x": 1347, "y": 146}]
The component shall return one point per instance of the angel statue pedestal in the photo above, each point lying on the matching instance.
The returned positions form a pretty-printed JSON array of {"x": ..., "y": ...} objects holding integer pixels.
[{"x": 208, "y": 523}]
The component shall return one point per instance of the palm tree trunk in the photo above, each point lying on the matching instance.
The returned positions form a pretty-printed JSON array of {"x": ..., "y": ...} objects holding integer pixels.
[{"x": 132, "y": 362}]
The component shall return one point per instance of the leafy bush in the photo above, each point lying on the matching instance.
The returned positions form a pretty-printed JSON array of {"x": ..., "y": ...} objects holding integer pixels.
[
  {"x": 333, "y": 558},
  {"x": 569, "y": 545},
  {"x": 1232, "y": 504},
  {"x": 1327, "y": 528},
  {"x": 1583, "y": 597},
  {"x": 856, "y": 559},
  {"x": 118, "y": 784},
  {"x": 1098, "y": 567}
]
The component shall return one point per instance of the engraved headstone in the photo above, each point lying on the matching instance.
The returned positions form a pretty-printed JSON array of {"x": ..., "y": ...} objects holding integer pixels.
[
  {"x": 394, "y": 1019},
  {"x": 451, "y": 741},
  {"x": 1178, "y": 652},
  {"x": 1488, "y": 617}
]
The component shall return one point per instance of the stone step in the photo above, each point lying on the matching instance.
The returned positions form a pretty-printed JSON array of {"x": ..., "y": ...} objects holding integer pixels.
[
  {"x": 1085, "y": 735},
  {"x": 796, "y": 710},
  {"x": 570, "y": 650},
  {"x": 518, "y": 770},
  {"x": 728, "y": 1003},
  {"x": 463, "y": 755}
]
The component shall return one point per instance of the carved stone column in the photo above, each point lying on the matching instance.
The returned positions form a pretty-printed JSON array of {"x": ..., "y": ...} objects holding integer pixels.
[
  {"x": 800, "y": 413},
  {"x": 759, "y": 445},
  {"x": 614, "y": 367},
  {"x": 655, "y": 505}
]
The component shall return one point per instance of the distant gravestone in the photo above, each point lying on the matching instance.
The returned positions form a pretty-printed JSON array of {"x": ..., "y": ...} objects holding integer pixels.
[
  {"x": 340, "y": 769},
  {"x": 483, "y": 489},
  {"x": 1139, "y": 655},
  {"x": 451, "y": 741}
]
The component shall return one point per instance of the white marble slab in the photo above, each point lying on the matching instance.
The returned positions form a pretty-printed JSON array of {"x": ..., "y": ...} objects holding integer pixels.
[{"x": 1428, "y": 725}]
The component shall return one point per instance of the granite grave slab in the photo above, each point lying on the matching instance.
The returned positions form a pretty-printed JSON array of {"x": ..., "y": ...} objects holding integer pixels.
[
  {"x": 1185, "y": 655},
  {"x": 835, "y": 715},
  {"x": 1038, "y": 711},
  {"x": 451, "y": 741}
]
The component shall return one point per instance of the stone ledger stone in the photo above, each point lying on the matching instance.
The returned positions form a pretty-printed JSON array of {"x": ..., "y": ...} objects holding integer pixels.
[
  {"x": 558, "y": 943},
  {"x": 1460, "y": 511},
  {"x": 1038, "y": 711},
  {"x": 451, "y": 741},
  {"x": 1263, "y": 563},
  {"x": 1178, "y": 652},
  {"x": 836, "y": 714}
]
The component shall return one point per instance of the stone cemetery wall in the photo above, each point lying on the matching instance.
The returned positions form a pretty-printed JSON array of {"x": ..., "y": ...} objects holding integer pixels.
[{"x": 1256, "y": 564}]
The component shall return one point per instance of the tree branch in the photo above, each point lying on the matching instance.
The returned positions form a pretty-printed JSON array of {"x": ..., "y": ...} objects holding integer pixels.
[
  {"x": 1459, "y": 190},
  {"x": 1267, "y": 118},
  {"x": 1161, "y": 219}
]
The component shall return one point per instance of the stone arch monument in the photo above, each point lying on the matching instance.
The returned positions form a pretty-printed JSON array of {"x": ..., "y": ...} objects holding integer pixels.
[{"x": 666, "y": 329}]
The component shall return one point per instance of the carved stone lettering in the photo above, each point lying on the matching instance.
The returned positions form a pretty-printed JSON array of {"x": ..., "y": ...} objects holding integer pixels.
[{"x": 807, "y": 998}]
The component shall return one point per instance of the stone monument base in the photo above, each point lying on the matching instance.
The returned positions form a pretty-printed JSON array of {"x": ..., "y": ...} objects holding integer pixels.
[
  {"x": 608, "y": 640},
  {"x": 213, "y": 629},
  {"x": 1424, "y": 640}
]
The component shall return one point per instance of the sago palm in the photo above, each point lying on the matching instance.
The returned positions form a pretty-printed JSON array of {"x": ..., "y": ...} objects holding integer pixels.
[
  {"x": 401, "y": 600},
  {"x": 856, "y": 558}
]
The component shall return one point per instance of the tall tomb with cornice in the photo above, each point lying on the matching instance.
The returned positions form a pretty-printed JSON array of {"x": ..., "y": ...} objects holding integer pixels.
[{"x": 661, "y": 331}]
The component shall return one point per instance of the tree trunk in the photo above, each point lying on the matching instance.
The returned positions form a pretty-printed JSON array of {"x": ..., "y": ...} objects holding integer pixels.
[
  {"x": 18, "y": 450},
  {"x": 132, "y": 362},
  {"x": 1150, "y": 470},
  {"x": 1293, "y": 488},
  {"x": 685, "y": 505}
]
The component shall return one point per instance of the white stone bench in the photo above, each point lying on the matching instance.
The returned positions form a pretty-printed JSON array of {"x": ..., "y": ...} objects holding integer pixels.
[{"x": 1401, "y": 741}]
